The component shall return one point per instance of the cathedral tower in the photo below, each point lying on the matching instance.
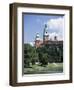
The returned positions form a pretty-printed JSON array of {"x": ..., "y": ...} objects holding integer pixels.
[
  {"x": 45, "y": 34},
  {"x": 37, "y": 40}
]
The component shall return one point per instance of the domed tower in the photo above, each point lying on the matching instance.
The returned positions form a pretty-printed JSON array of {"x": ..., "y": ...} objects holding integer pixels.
[
  {"x": 45, "y": 35},
  {"x": 37, "y": 40}
]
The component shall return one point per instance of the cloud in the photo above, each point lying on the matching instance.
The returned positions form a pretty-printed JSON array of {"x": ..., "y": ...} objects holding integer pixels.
[
  {"x": 56, "y": 26},
  {"x": 52, "y": 35}
]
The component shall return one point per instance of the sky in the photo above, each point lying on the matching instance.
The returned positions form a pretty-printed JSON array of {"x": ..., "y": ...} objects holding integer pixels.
[{"x": 34, "y": 23}]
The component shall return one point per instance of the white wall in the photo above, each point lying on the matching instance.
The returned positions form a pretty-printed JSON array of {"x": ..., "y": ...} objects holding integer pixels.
[{"x": 4, "y": 46}]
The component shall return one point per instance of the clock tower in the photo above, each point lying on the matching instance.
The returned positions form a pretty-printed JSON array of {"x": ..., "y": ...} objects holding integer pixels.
[{"x": 45, "y": 34}]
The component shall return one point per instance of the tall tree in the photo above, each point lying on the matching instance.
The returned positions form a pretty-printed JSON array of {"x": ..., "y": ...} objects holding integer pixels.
[{"x": 30, "y": 55}]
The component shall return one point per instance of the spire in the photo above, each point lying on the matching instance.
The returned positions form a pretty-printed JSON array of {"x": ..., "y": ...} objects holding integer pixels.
[
  {"x": 45, "y": 25},
  {"x": 45, "y": 34}
]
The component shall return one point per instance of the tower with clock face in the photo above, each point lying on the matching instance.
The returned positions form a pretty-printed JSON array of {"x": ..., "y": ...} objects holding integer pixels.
[{"x": 45, "y": 34}]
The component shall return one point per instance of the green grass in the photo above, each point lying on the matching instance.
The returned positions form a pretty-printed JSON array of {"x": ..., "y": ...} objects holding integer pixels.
[{"x": 50, "y": 68}]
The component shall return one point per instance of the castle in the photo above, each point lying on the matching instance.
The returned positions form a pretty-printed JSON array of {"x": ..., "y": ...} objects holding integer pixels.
[{"x": 46, "y": 39}]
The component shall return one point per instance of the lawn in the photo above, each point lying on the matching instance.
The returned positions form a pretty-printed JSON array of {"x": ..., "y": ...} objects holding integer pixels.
[{"x": 50, "y": 68}]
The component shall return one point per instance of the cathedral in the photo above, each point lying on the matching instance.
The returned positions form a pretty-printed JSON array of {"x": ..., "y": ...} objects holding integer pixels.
[{"x": 46, "y": 39}]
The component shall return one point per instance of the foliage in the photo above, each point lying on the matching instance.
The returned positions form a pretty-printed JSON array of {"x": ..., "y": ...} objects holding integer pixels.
[
  {"x": 44, "y": 55},
  {"x": 30, "y": 55}
]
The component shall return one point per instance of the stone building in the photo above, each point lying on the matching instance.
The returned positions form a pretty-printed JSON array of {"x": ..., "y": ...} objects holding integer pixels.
[{"x": 46, "y": 39}]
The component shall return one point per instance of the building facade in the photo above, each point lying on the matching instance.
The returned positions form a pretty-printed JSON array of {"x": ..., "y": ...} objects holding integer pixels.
[{"x": 46, "y": 39}]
